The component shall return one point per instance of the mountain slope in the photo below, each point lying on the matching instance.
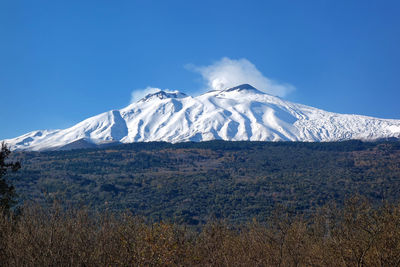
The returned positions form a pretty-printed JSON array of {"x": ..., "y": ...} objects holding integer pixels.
[{"x": 239, "y": 113}]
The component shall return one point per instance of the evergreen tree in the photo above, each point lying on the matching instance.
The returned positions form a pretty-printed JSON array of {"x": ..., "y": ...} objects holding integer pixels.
[{"x": 7, "y": 191}]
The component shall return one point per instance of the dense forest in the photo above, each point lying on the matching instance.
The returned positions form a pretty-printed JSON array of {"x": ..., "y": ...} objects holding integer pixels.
[{"x": 191, "y": 183}]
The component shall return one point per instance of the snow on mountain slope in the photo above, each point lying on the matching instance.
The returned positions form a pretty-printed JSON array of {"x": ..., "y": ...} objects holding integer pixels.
[{"x": 239, "y": 113}]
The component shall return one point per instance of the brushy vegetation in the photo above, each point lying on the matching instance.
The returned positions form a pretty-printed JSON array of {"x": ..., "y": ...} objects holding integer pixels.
[
  {"x": 191, "y": 183},
  {"x": 359, "y": 234}
]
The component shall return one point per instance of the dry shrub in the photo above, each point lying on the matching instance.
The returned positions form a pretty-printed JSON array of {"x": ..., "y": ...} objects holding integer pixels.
[
  {"x": 356, "y": 235},
  {"x": 74, "y": 237}
]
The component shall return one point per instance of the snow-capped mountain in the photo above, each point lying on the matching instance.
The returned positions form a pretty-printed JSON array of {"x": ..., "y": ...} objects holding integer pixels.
[{"x": 239, "y": 113}]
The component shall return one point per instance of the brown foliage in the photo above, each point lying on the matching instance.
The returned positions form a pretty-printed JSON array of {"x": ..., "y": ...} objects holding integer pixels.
[{"x": 357, "y": 235}]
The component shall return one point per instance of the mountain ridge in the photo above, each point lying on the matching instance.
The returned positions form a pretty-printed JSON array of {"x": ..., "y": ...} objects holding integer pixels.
[{"x": 235, "y": 114}]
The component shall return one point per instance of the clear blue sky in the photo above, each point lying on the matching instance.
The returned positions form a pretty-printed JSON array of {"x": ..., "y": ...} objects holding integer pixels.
[{"x": 64, "y": 61}]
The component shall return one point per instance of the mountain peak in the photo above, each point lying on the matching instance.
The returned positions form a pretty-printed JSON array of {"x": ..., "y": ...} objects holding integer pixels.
[
  {"x": 163, "y": 95},
  {"x": 242, "y": 87},
  {"x": 238, "y": 113}
]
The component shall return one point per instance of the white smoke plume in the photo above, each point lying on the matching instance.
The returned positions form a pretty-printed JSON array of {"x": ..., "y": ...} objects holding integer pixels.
[
  {"x": 227, "y": 73},
  {"x": 138, "y": 94}
]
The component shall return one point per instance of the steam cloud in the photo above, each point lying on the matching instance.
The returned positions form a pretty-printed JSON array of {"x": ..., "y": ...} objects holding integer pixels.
[
  {"x": 140, "y": 93},
  {"x": 227, "y": 73}
]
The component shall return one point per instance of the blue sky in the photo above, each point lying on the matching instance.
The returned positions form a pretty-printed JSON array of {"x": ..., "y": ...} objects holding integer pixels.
[{"x": 64, "y": 61}]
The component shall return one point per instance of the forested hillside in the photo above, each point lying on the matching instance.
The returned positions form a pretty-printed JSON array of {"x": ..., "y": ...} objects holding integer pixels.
[{"x": 193, "y": 182}]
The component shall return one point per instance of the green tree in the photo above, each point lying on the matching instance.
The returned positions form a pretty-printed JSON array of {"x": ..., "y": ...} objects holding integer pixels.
[{"x": 7, "y": 191}]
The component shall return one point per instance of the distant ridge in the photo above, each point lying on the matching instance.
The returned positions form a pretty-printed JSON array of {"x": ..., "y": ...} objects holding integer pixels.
[{"x": 239, "y": 113}]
